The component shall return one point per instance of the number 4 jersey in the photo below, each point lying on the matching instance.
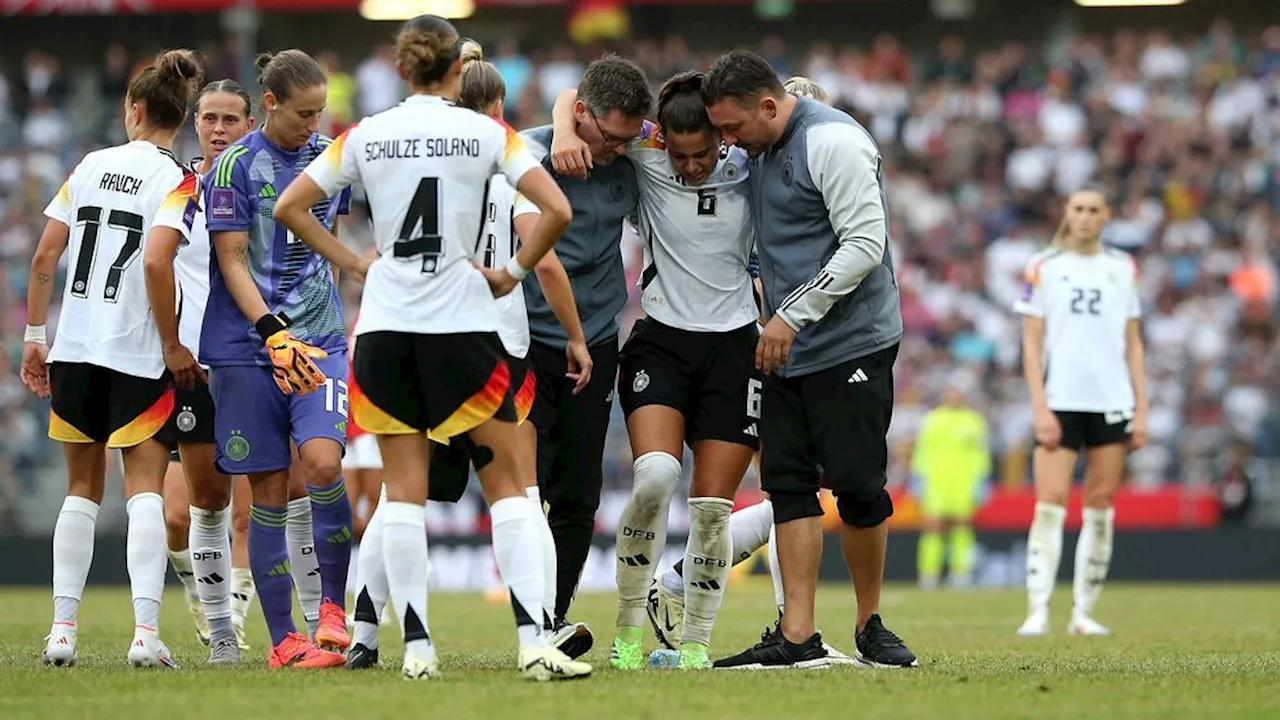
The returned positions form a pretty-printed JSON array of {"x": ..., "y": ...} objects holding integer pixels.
[
  {"x": 110, "y": 203},
  {"x": 426, "y": 167},
  {"x": 1087, "y": 302},
  {"x": 240, "y": 196}
]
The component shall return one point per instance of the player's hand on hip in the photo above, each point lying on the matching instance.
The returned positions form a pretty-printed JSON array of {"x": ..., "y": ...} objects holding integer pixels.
[
  {"x": 1048, "y": 430},
  {"x": 580, "y": 364},
  {"x": 34, "y": 372},
  {"x": 1138, "y": 437},
  {"x": 570, "y": 155},
  {"x": 186, "y": 372},
  {"x": 361, "y": 270},
  {"x": 500, "y": 281},
  {"x": 774, "y": 348},
  {"x": 293, "y": 363}
]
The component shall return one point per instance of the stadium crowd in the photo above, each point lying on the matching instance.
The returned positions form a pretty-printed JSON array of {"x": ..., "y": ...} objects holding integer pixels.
[{"x": 980, "y": 145}]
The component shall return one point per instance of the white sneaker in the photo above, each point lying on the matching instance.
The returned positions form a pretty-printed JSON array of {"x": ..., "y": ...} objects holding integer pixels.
[
  {"x": 1037, "y": 623},
  {"x": 419, "y": 668},
  {"x": 147, "y": 650},
  {"x": 572, "y": 639},
  {"x": 547, "y": 663},
  {"x": 60, "y": 645},
  {"x": 666, "y": 614},
  {"x": 197, "y": 616},
  {"x": 1085, "y": 625}
]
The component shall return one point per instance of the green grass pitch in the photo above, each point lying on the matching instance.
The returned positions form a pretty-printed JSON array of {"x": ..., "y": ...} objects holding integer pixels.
[{"x": 1210, "y": 651}]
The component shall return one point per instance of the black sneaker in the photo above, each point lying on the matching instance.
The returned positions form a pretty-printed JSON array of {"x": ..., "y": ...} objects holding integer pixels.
[
  {"x": 361, "y": 656},
  {"x": 878, "y": 647},
  {"x": 775, "y": 652},
  {"x": 572, "y": 639}
]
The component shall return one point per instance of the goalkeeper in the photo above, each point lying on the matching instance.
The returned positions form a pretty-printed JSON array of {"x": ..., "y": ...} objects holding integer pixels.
[
  {"x": 275, "y": 343},
  {"x": 951, "y": 465}
]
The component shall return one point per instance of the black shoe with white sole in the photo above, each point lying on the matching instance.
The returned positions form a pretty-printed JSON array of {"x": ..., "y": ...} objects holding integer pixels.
[
  {"x": 878, "y": 647},
  {"x": 775, "y": 652},
  {"x": 572, "y": 639},
  {"x": 361, "y": 656}
]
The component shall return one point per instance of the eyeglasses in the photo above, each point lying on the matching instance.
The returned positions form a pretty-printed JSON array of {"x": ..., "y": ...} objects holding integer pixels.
[{"x": 610, "y": 141}]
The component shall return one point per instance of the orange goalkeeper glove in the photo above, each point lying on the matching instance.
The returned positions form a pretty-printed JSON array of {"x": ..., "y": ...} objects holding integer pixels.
[{"x": 292, "y": 363}]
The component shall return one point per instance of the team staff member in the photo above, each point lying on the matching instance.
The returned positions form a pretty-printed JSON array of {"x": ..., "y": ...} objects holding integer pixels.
[
  {"x": 828, "y": 348},
  {"x": 613, "y": 100}
]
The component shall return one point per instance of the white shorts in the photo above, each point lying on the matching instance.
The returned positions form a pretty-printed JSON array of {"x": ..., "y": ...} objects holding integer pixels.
[{"x": 363, "y": 454}]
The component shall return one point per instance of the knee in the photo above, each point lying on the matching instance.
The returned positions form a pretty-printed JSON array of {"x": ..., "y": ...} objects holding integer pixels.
[
  {"x": 788, "y": 506},
  {"x": 1098, "y": 497},
  {"x": 240, "y": 521},
  {"x": 657, "y": 474},
  {"x": 322, "y": 470},
  {"x": 864, "y": 510},
  {"x": 1052, "y": 496},
  {"x": 209, "y": 496}
]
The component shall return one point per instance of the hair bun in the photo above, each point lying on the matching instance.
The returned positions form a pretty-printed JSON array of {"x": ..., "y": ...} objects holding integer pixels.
[
  {"x": 471, "y": 51},
  {"x": 175, "y": 65},
  {"x": 262, "y": 61}
]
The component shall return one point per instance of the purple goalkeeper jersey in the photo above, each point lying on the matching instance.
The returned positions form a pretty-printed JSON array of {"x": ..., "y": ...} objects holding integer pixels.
[{"x": 240, "y": 194}]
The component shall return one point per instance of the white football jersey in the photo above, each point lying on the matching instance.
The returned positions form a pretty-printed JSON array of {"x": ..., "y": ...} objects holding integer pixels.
[
  {"x": 191, "y": 269},
  {"x": 426, "y": 167},
  {"x": 110, "y": 202},
  {"x": 498, "y": 244},
  {"x": 697, "y": 240},
  {"x": 1087, "y": 302}
]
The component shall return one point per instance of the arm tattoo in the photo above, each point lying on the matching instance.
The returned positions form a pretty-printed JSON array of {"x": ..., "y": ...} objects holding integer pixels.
[
  {"x": 44, "y": 278},
  {"x": 242, "y": 254}
]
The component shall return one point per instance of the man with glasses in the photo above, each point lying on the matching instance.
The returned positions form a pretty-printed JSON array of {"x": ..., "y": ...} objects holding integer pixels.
[{"x": 613, "y": 100}]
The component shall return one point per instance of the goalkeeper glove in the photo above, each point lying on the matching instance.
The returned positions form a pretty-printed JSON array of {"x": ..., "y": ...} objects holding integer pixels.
[{"x": 292, "y": 365}]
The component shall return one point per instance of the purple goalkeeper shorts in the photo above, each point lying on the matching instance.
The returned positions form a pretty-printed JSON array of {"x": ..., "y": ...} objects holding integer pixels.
[{"x": 254, "y": 421}]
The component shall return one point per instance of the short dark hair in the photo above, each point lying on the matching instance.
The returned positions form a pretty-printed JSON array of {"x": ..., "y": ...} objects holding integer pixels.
[
  {"x": 680, "y": 106},
  {"x": 615, "y": 83},
  {"x": 740, "y": 75},
  {"x": 227, "y": 85}
]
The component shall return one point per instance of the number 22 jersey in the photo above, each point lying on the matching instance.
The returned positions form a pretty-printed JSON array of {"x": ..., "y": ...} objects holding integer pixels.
[
  {"x": 425, "y": 166},
  {"x": 240, "y": 196},
  {"x": 110, "y": 203},
  {"x": 1087, "y": 302}
]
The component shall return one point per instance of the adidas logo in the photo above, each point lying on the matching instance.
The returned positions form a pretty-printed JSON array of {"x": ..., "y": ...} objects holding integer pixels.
[
  {"x": 267, "y": 191},
  {"x": 709, "y": 585},
  {"x": 858, "y": 376},
  {"x": 211, "y": 579},
  {"x": 751, "y": 430},
  {"x": 279, "y": 569},
  {"x": 635, "y": 561}
]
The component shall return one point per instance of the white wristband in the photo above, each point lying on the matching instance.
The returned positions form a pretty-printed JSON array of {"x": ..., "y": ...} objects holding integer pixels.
[
  {"x": 513, "y": 268},
  {"x": 35, "y": 334}
]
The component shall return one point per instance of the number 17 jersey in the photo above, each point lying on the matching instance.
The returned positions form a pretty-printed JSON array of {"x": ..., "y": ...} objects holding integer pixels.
[
  {"x": 425, "y": 166},
  {"x": 110, "y": 203}
]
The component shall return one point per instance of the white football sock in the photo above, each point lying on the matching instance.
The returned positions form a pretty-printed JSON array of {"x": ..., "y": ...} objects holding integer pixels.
[
  {"x": 548, "y": 543},
  {"x": 642, "y": 532},
  {"x": 371, "y": 584},
  {"x": 1093, "y": 558},
  {"x": 303, "y": 563},
  {"x": 72, "y": 555},
  {"x": 404, "y": 550},
  {"x": 749, "y": 528},
  {"x": 775, "y": 571},
  {"x": 210, "y": 543},
  {"x": 706, "y": 564},
  {"x": 145, "y": 557},
  {"x": 518, "y": 550},
  {"x": 1044, "y": 550},
  {"x": 181, "y": 562},
  {"x": 242, "y": 592}
]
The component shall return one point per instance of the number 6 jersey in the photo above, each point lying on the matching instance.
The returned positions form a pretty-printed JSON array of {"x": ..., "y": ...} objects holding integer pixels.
[
  {"x": 1087, "y": 302},
  {"x": 425, "y": 166},
  {"x": 110, "y": 202}
]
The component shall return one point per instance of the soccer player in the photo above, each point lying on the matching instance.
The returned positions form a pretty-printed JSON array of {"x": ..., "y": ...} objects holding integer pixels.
[
  {"x": 750, "y": 527},
  {"x": 362, "y": 465},
  {"x": 509, "y": 217},
  {"x": 274, "y": 339},
  {"x": 687, "y": 371},
  {"x": 827, "y": 349},
  {"x": 1079, "y": 294},
  {"x": 428, "y": 356},
  {"x": 613, "y": 100},
  {"x": 178, "y": 285},
  {"x": 952, "y": 461},
  {"x": 106, "y": 371}
]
